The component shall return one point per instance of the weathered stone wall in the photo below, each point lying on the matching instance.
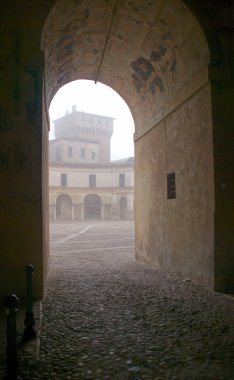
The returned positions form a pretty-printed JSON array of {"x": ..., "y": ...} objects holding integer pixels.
[
  {"x": 222, "y": 92},
  {"x": 21, "y": 205},
  {"x": 217, "y": 20},
  {"x": 177, "y": 234}
]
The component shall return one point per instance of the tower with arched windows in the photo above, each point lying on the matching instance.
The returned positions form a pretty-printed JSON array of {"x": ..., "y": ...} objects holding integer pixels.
[{"x": 82, "y": 138}]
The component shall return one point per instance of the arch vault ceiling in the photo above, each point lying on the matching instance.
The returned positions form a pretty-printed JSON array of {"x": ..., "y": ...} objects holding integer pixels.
[{"x": 147, "y": 51}]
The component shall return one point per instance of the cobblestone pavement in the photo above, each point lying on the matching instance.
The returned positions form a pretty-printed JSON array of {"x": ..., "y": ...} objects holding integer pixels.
[
  {"x": 29, "y": 348},
  {"x": 108, "y": 317}
]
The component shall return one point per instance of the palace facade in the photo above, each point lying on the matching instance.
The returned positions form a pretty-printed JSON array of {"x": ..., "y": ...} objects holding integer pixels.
[{"x": 83, "y": 182}]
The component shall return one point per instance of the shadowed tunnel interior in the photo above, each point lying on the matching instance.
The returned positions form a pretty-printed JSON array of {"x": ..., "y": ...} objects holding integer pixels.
[{"x": 172, "y": 62}]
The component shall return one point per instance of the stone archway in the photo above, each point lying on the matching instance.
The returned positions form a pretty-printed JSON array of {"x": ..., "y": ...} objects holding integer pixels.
[
  {"x": 156, "y": 57},
  {"x": 92, "y": 207},
  {"x": 63, "y": 207},
  {"x": 176, "y": 132}
]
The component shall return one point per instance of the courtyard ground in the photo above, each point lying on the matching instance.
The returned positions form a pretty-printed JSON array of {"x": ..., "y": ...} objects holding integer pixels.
[{"x": 107, "y": 316}]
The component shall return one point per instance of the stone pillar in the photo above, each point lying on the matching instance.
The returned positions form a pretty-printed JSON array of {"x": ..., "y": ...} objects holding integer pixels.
[
  {"x": 102, "y": 212},
  {"x": 73, "y": 212},
  {"x": 111, "y": 216},
  {"x": 82, "y": 211},
  {"x": 55, "y": 214}
]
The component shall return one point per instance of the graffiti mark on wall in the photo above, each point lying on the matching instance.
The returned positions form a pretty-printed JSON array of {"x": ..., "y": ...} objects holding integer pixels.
[
  {"x": 149, "y": 73},
  {"x": 156, "y": 84},
  {"x": 83, "y": 17},
  {"x": 137, "y": 82},
  {"x": 142, "y": 67},
  {"x": 143, "y": 70},
  {"x": 159, "y": 68},
  {"x": 64, "y": 46},
  {"x": 156, "y": 56},
  {"x": 173, "y": 66}
]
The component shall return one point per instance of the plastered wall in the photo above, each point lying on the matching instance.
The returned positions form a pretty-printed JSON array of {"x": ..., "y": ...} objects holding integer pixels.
[
  {"x": 22, "y": 232},
  {"x": 178, "y": 234}
]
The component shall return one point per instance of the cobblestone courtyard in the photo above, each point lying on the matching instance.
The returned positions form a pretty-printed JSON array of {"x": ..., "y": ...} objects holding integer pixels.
[{"x": 108, "y": 317}]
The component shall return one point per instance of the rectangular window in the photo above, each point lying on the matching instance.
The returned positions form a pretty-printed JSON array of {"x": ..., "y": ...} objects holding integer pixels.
[
  {"x": 70, "y": 151},
  {"x": 82, "y": 153},
  {"x": 93, "y": 155},
  {"x": 171, "y": 186},
  {"x": 63, "y": 179},
  {"x": 121, "y": 180},
  {"x": 92, "y": 180}
]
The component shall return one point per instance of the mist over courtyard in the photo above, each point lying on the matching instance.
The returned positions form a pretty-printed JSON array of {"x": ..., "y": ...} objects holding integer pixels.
[{"x": 93, "y": 238}]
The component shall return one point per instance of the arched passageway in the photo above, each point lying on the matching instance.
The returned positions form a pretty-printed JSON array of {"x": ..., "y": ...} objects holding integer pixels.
[
  {"x": 156, "y": 57},
  {"x": 92, "y": 207},
  {"x": 179, "y": 87},
  {"x": 63, "y": 207}
]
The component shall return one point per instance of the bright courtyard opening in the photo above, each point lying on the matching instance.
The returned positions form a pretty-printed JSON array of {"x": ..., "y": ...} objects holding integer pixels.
[{"x": 91, "y": 154}]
